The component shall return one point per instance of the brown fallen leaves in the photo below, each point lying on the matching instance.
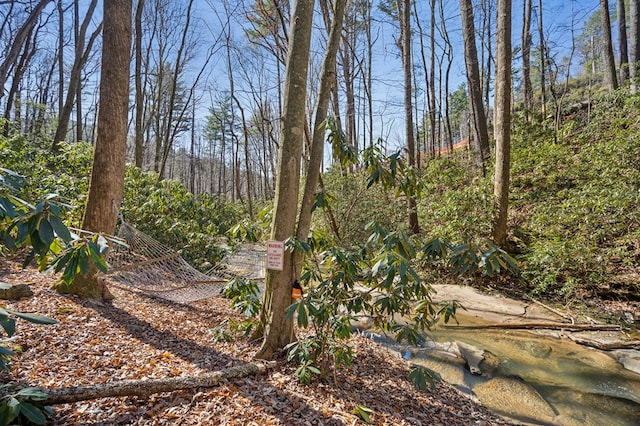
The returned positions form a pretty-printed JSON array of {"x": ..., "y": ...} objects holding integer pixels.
[{"x": 138, "y": 337}]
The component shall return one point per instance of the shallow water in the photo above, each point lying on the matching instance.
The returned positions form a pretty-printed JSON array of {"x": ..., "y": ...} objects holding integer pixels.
[{"x": 540, "y": 380}]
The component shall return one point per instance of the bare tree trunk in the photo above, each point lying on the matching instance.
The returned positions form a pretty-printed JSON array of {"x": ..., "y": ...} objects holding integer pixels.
[
  {"x": 327, "y": 78},
  {"x": 611, "y": 74},
  {"x": 60, "y": 57},
  {"x": 487, "y": 12},
  {"x": 81, "y": 56},
  {"x": 16, "y": 45},
  {"x": 543, "y": 63},
  {"x": 404, "y": 16},
  {"x": 19, "y": 70},
  {"x": 139, "y": 88},
  {"x": 634, "y": 33},
  {"x": 473, "y": 80},
  {"x": 432, "y": 77},
  {"x": 107, "y": 176},
  {"x": 527, "y": 87},
  {"x": 502, "y": 103},
  {"x": 427, "y": 84},
  {"x": 278, "y": 329},
  {"x": 449, "y": 55},
  {"x": 168, "y": 134},
  {"x": 622, "y": 41}
]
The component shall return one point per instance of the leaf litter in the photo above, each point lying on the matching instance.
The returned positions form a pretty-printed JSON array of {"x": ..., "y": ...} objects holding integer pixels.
[{"x": 138, "y": 337}]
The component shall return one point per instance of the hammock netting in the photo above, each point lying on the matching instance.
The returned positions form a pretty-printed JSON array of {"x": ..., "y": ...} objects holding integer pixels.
[{"x": 149, "y": 266}]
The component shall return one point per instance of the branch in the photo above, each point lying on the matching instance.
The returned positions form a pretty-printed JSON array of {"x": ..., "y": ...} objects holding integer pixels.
[
  {"x": 144, "y": 388},
  {"x": 539, "y": 325}
]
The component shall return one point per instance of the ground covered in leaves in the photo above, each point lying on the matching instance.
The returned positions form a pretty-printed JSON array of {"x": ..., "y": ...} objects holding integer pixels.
[{"x": 137, "y": 337}]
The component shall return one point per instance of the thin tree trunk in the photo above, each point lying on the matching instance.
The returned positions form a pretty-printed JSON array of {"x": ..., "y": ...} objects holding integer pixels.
[
  {"x": 404, "y": 16},
  {"x": 622, "y": 41},
  {"x": 634, "y": 35},
  {"x": 327, "y": 78},
  {"x": 502, "y": 103},
  {"x": 20, "y": 68},
  {"x": 473, "y": 80},
  {"x": 543, "y": 63},
  {"x": 611, "y": 74},
  {"x": 432, "y": 77},
  {"x": 81, "y": 56},
  {"x": 527, "y": 87},
  {"x": 16, "y": 45},
  {"x": 278, "y": 329},
  {"x": 139, "y": 88}
]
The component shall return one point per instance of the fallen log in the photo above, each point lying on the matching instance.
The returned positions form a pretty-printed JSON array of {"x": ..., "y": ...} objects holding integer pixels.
[
  {"x": 144, "y": 388},
  {"x": 539, "y": 325},
  {"x": 606, "y": 346}
]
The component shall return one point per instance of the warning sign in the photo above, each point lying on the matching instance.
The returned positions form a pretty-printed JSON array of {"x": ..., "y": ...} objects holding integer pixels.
[{"x": 275, "y": 255}]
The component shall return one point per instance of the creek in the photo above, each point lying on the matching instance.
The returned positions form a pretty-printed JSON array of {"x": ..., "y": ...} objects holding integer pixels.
[{"x": 531, "y": 377}]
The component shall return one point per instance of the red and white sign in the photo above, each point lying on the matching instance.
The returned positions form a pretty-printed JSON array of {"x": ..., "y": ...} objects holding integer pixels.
[{"x": 275, "y": 255}]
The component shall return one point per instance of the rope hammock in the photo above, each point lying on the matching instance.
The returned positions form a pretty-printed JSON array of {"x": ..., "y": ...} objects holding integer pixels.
[{"x": 147, "y": 265}]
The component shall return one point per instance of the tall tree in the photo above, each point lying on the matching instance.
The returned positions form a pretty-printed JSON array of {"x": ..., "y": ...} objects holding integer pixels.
[
  {"x": 18, "y": 41},
  {"x": 404, "y": 17},
  {"x": 278, "y": 329},
  {"x": 612, "y": 79},
  {"x": 317, "y": 140},
  {"x": 502, "y": 104},
  {"x": 634, "y": 35},
  {"x": 543, "y": 62},
  {"x": 623, "y": 41},
  {"x": 107, "y": 176},
  {"x": 139, "y": 88},
  {"x": 80, "y": 58},
  {"x": 527, "y": 88},
  {"x": 474, "y": 82}
]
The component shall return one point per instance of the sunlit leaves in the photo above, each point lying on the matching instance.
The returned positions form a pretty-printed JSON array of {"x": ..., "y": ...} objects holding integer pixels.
[{"x": 343, "y": 152}]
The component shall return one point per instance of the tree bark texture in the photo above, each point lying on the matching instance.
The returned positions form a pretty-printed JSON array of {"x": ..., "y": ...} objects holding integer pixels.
[
  {"x": 612, "y": 79},
  {"x": 144, "y": 388},
  {"x": 622, "y": 41},
  {"x": 107, "y": 175},
  {"x": 527, "y": 88},
  {"x": 634, "y": 35},
  {"x": 474, "y": 82},
  {"x": 404, "y": 17},
  {"x": 543, "y": 63},
  {"x": 502, "y": 104},
  {"x": 278, "y": 330},
  {"x": 139, "y": 102},
  {"x": 327, "y": 79}
]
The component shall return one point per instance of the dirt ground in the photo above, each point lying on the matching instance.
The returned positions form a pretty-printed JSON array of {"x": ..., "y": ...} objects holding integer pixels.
[{"x": 137, "y": 337}]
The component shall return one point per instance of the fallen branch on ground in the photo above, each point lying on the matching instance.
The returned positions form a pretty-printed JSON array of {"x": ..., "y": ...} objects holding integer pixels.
[
  {"x": 606, "y": 346},
  {"x": 539, "y": 325},
  {"x": 144, "y": 388}
]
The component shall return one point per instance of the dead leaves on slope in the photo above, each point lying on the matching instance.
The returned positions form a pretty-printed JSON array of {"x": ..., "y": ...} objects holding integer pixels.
[{"x": 138, "y": 337}]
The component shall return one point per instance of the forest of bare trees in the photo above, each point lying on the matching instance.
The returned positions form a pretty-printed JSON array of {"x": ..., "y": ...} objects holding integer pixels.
[{"x": 206, "y": 79}]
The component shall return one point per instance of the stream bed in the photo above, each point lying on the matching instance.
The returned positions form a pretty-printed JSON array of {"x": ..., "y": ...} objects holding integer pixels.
[{"x": 532, "y": 378}]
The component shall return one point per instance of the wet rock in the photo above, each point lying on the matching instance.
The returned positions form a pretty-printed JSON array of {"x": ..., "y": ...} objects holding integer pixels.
[
  {"x": 537, "y": 349},
  {"x": 513, "y": 397},
  {"x": 473, "y": 357},
  {"x": 16, "y": 292},
  {"x": 629, "y": 358},
  {"x": 489, "y": 364}
]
